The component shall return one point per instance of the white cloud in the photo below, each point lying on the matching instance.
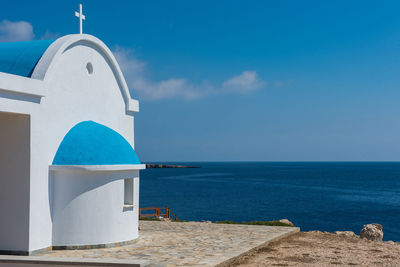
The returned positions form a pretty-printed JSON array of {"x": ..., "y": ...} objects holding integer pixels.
[
  {"x": 140, "y": 83},
  {"x": 136, "y": 77},
  {"x": 50, "y": 35},
  {"x": 246, "y": 82},
  {"x": 15, "y": 31}
]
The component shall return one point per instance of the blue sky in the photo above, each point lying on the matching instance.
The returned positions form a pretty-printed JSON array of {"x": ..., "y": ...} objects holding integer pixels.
[{"x": 245, "y": 80}]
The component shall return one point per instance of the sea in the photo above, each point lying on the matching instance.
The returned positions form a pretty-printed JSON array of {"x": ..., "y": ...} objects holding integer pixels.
[{"x": 324, "y": 196}]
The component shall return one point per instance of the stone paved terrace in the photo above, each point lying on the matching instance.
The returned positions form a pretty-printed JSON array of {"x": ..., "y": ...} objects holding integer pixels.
[{"x": 186, "y": 243}]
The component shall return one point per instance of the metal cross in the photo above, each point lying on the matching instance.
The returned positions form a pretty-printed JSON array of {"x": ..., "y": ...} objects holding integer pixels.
[{"x": 81, "y": 17}]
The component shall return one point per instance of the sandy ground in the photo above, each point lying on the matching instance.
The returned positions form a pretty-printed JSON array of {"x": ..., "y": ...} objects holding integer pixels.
[{"x": 323, "y": 249}]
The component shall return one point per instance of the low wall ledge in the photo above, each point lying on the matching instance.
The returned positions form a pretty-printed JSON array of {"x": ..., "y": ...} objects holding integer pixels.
[{"x": 97, "y": 168}]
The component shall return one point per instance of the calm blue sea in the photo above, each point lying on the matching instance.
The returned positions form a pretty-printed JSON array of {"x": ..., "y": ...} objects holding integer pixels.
[{"x": 326, "y": 196}]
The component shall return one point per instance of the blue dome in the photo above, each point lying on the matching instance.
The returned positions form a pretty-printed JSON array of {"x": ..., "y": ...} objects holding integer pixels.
[
  {"x": 90, "y": 143},
  {"x": 20, "y": 58}
]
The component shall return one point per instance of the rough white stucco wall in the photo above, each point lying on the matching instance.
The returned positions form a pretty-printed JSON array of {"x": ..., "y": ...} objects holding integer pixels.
[
  {"x": 14, "y": 181},
  {"x": 89, "y": 208},
  {"x": 72, "y": 96}
]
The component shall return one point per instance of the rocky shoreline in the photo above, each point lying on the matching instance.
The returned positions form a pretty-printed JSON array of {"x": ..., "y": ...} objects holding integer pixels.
[{"x": 158, "y": 166}]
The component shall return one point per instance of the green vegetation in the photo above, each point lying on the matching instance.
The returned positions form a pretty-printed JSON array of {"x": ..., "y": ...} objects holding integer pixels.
[
  {"x": 156, "y": 219},
  {"x": 149, "y": 219},
  {"x": 268, "y": 223}
]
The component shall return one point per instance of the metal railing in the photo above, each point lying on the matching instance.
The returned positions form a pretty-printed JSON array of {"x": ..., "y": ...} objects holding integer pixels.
[{"x": 163, "y": 212}]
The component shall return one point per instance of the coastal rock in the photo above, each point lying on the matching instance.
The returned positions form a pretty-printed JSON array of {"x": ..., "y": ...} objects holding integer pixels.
[
  {"x": 157, "y": 166},
  {"x": 346, "y": 233},
  {"x": 286, "y": 221},
  {"x": 372, "y": 231}
]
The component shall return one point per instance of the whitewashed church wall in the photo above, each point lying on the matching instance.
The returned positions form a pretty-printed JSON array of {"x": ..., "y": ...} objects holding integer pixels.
[
  {"x": 73, "y": 95},
  {"x": 89, "y": 208}
]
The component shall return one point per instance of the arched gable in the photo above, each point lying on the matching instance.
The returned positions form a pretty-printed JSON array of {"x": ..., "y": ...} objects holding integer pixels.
[{"x": 63, "y": 44}]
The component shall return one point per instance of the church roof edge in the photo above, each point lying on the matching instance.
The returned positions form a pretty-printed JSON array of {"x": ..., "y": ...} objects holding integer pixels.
[{"x": 20, "y": 58}]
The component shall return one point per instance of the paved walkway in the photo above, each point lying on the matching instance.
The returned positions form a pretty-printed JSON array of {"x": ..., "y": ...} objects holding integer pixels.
[{"x": 186, "y": 244}]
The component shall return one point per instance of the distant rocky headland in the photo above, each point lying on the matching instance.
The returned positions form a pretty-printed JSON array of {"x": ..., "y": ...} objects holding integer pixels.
[{"x": 152, "y": 165}]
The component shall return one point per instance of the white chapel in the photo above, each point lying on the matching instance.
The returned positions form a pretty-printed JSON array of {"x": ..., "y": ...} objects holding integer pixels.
[{"x": 69, "y": 174}]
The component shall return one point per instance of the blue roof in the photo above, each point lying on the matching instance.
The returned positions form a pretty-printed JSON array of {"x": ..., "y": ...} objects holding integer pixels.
[
  {"x": 90, "y": 143},
  {"x": 20, "y": 58}
]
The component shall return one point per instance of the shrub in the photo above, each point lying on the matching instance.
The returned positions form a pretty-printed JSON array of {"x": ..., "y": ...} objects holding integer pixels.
[{"x": 268, "y": 223}]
